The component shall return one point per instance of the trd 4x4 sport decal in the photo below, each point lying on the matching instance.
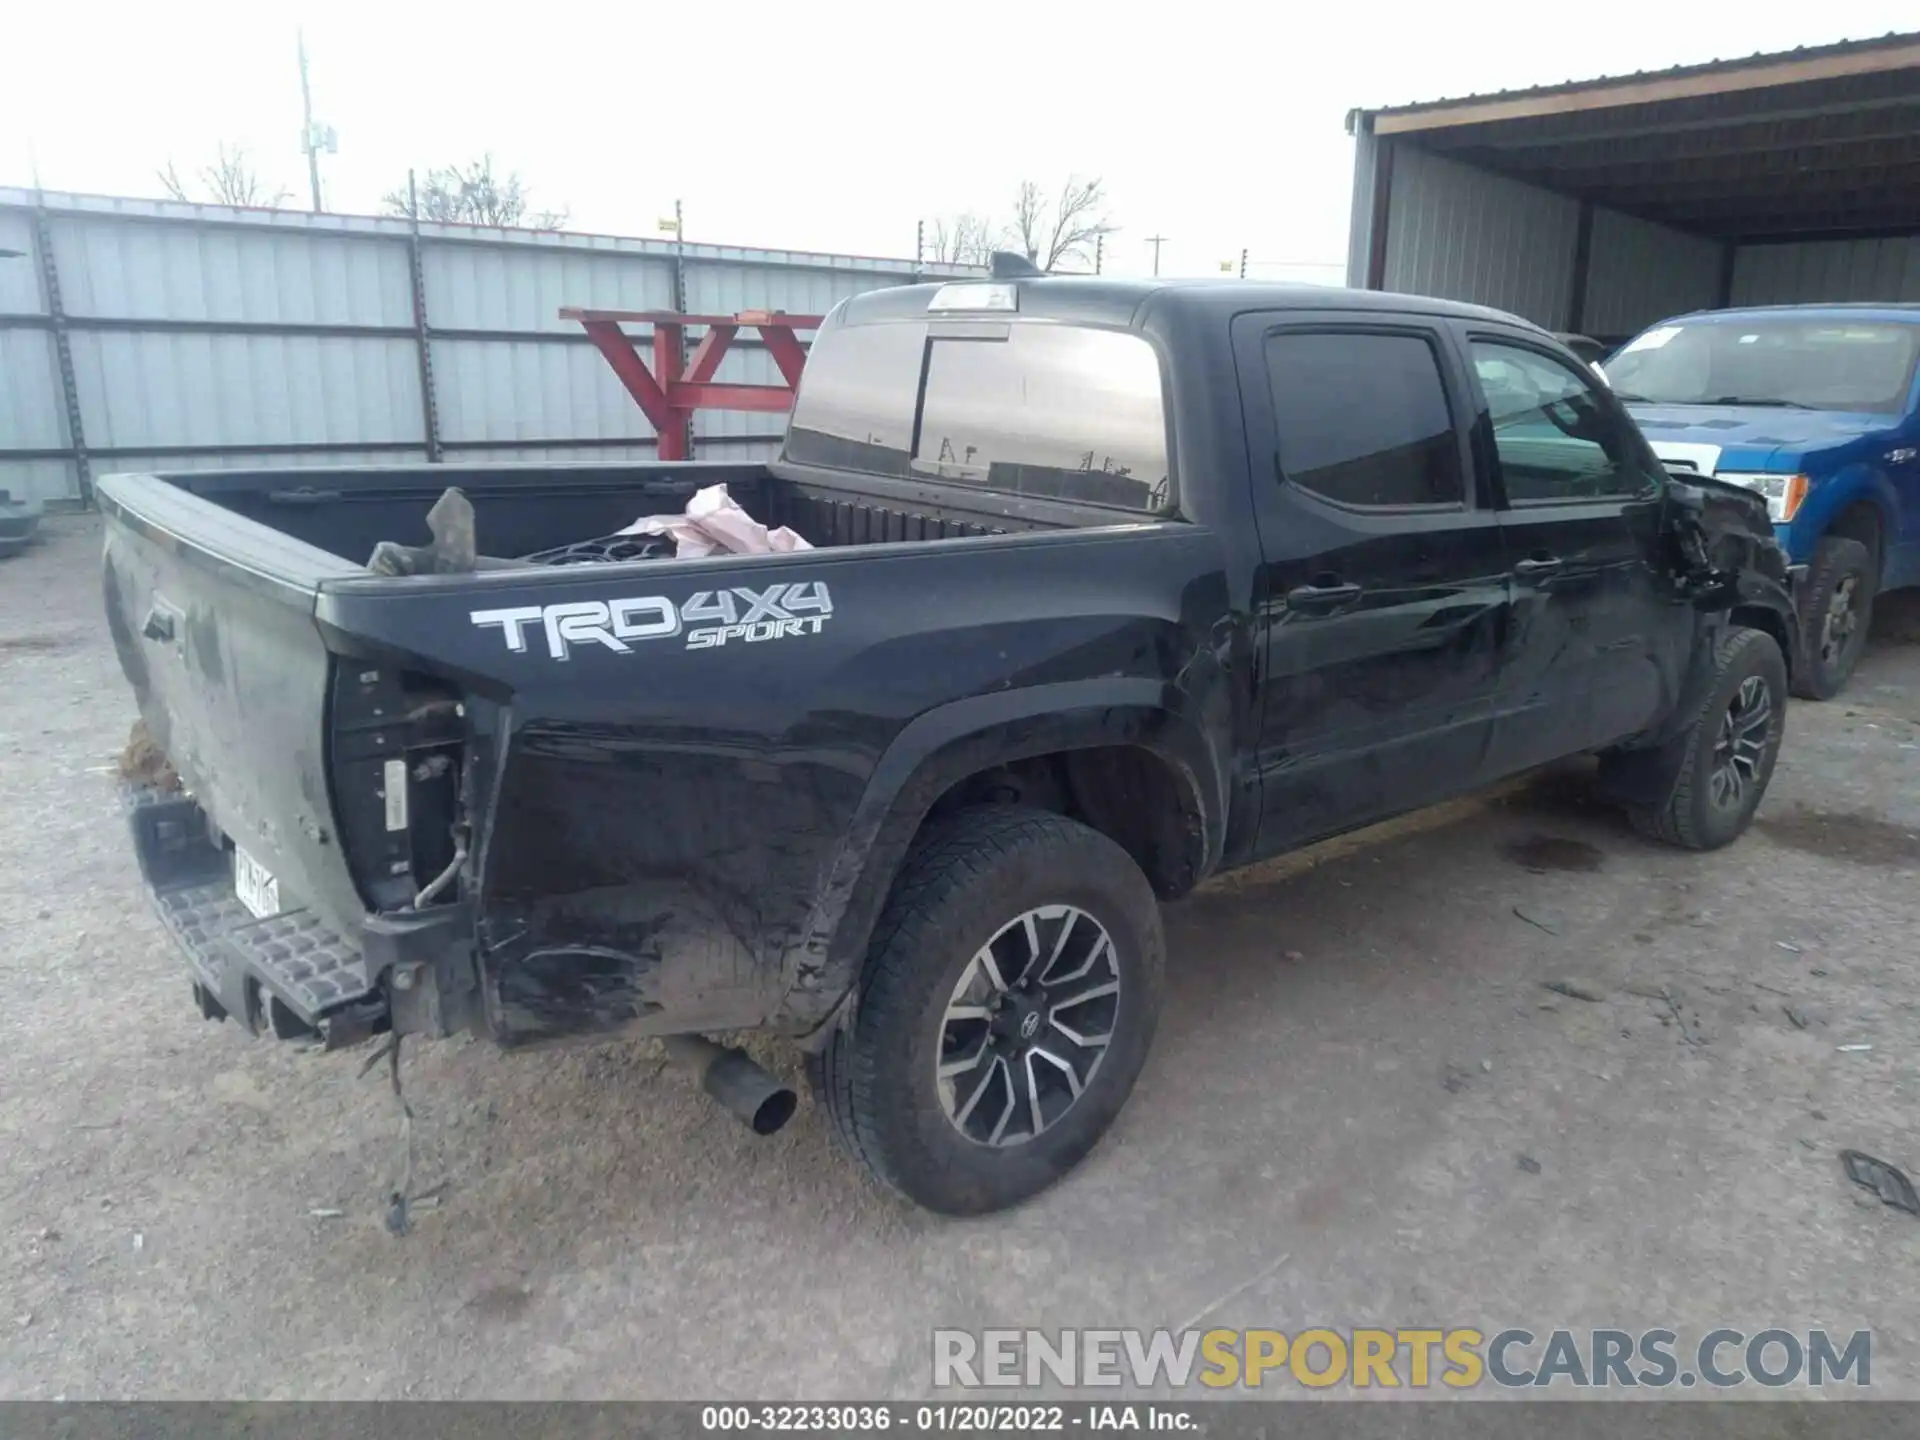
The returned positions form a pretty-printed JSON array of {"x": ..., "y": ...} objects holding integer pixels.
[{"x": 708, "y": 618}]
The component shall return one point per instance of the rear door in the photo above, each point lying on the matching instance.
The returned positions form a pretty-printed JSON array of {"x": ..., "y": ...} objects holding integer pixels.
[
  {"x": 1385, "y": 587},
  {"x": 1599, "y": 641}
]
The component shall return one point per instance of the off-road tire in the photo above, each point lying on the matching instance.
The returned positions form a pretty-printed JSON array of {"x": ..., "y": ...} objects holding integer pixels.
[
  {"x": 1835, "y": 562},
  {"x": 1691, "y": 818},
  {"x": 965, "y": 879}
]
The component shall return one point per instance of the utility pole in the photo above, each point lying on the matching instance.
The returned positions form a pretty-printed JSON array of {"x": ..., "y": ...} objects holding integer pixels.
[
  {"x": 1156, "y": 241},
  {"x": 312, "y": 136},
  {"x": 1243, "y": 262},
  {"x": 1099, "y": 252}
]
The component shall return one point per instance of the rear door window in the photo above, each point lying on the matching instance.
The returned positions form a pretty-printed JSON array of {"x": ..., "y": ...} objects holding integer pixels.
[
  {"x": 1361, "y": 419},
  {"x": 1024, "y": 408}
]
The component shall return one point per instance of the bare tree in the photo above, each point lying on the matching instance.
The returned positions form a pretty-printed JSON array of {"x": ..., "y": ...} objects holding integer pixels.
[
  {"x": 1063, "y": 232},
  {"x": 472, "y": 194},
  {"x": 230, "y": 180},
  {"x": 965, "y": 239}
]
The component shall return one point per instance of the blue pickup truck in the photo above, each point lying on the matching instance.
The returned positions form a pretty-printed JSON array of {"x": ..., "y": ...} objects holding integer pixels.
[{"x": 1817, "y": 407}]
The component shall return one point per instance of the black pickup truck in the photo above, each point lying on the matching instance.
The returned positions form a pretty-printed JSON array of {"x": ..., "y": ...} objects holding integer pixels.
[{"x": 1115, "y": 586}]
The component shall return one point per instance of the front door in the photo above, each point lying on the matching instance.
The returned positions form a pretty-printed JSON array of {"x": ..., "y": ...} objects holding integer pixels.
[
  {"x": 1599, "y": 641},
  {"x": 1385, "y": 586}
]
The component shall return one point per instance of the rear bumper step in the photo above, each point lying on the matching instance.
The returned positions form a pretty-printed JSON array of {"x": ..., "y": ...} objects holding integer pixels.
[{"x": 292, "y": 975}]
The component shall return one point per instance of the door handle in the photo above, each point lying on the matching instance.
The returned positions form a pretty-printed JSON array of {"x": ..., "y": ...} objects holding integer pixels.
[
  {"x": 1321, "y": 599},
  {"x": 1535, "y": 566}
]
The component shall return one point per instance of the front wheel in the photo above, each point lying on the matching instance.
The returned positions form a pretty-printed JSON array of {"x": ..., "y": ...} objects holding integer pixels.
[
  {"x": 1728, "y": 750},
  {"x": 1840, "y": 586},
  {"x": 1005, "y": 1011}
]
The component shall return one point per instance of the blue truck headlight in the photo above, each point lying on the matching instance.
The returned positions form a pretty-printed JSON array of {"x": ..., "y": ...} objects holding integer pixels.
[{"x": 1783, "y": 492}]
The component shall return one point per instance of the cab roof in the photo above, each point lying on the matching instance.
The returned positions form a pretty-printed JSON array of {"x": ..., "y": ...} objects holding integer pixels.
[{"x": 1101, "y": 300}]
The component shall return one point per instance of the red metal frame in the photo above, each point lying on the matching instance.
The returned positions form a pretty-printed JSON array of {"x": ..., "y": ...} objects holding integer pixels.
[{"x": 668, "y": 394}]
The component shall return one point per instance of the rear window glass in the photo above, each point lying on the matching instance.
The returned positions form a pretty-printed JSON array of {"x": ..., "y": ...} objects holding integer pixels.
[{"x": 1053, "y": 411}]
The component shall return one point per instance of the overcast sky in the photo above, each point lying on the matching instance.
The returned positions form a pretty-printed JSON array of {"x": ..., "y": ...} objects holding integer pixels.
[{"x": 827, "y": 124}]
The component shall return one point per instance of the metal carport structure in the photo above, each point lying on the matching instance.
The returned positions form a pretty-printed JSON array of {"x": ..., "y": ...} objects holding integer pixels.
[{"x": 1604, "y": 205}]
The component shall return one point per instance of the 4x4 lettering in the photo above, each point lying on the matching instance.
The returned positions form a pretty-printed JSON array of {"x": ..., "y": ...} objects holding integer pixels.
[
  {"x": 809, "y": 598},
  {"x": 766, "y": 604},
  {"x": 705, "y": 605}
]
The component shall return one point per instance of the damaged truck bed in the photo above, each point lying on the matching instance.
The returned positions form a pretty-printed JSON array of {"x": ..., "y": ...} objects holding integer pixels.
[
  {"x": 648, "y": 825},
  {"x": 1111, "y": 586}
]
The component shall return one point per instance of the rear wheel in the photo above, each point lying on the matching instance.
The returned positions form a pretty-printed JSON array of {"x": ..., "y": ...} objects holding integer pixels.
[
  {"x": 1840, "y": 589},
  {"x": 1005, "y": 1011},
  {"x": 1729, "y": 749}
]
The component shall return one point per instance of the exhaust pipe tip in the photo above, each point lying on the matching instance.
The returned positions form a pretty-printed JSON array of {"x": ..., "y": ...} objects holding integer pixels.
[{"x": 738, "y": 1083}]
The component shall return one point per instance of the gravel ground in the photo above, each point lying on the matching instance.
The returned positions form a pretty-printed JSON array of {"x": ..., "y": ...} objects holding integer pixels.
[{"x": 1363, "y": 1099}]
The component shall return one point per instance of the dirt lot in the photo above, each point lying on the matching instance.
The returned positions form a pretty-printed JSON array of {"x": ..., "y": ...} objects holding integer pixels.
[{"x": 1362, "y": 1098}]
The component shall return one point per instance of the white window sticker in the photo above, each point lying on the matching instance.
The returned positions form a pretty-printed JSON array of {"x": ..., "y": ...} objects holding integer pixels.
[{"x": 1652, "y": 340}]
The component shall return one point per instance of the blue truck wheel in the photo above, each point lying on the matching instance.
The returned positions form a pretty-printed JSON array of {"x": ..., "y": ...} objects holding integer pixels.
[{"x": 1838, "y": 611}]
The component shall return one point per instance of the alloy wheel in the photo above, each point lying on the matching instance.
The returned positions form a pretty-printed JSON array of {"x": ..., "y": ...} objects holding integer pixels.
[
  {"x": 1027, "y": 1025},
  {"x": 1742, "y": 744}
]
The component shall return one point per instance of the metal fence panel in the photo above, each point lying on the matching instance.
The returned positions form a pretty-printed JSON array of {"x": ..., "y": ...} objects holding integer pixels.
[
  {"x": 32, "y": 414},
  {"x": 530, "y": 390},
  {"x": 521, "y": 288},
  {"x": 728, "y": 289},
  {"x": 202, "y": 335},
  {"x": 19, "y": 277},
  {"x": 158, "y": 270},
  {"x": 166, "y": 388},
  {"x": 39, "y": 479}
]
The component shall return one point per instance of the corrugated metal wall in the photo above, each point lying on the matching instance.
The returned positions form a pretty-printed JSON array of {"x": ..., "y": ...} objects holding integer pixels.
[
  {"x": 1884, "y": 269},
  {"x": 1467, "y": 234},
  {"x": 205, "y": 336},
  {"x": 1470, "y": 235},
  {"x": 1639, "y": 272}
]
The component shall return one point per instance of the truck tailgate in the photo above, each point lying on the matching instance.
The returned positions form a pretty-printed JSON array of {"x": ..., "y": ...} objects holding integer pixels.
[{"x": 212, "y": 616}]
